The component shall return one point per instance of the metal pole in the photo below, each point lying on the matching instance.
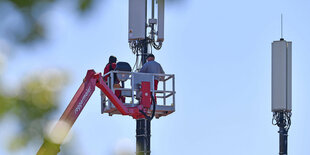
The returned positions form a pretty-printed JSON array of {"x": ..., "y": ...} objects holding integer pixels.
[
  {"x": 144, "y": 51},
  {"x": 282, "y": 134},
  {"x": 143, "y": 128},
  {"x": 143, "y": 137},
  {"x": 144, "y": 42}
]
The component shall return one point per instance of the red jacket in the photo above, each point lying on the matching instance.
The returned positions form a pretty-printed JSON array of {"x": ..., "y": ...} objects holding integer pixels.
[{"x": 108, "y": 69}]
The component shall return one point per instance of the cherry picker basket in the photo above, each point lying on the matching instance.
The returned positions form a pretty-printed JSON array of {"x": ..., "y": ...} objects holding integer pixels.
[{"x": 130, "y": 84}]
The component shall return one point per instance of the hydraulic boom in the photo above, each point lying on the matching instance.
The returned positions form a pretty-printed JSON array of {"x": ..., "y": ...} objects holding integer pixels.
[{"x": 79, "y": 101}]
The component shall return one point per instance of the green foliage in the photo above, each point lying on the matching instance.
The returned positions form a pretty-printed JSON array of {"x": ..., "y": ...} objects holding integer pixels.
[
  {"x": 28, "y": 3},
  {"x": 30, "y": 12},
  {"x": 37, "y": 99},
  {"x": 6, "y": 104},
  {"x": 85, "y": 4}
]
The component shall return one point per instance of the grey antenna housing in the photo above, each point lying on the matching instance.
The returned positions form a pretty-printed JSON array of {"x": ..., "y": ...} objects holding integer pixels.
[
  {"x": 281, "y": 93},
  {"x": 282, "y": 76}
]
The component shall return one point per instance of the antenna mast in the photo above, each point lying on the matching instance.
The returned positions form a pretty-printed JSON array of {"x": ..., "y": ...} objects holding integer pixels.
[
  {"x": 140, "y": 40},
  {"x": 281, "y": 86},
  {"x": 281, "y": 27}
]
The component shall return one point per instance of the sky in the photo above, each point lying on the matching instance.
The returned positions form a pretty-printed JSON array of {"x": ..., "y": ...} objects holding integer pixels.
[{"x": 220, "y": 53}]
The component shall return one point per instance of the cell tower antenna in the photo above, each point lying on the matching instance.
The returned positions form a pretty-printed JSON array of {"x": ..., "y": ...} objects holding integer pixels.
[
  {"x": 282, "y": 27},
  {"x": 281, "y": 86}
]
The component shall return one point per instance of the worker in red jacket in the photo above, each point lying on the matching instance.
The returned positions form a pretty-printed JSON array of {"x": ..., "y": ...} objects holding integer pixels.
[{"x": 110, "y": 67}]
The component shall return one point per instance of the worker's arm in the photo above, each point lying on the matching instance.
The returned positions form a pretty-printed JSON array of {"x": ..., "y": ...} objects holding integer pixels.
[
  {"x": 144, "y": 68},
  {"x": 161, "y": 70}
]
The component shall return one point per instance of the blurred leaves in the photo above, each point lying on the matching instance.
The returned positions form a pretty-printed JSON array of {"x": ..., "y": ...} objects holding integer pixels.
[
  {"x": 30, "y": 14},
  {"x": 34, "y": 102},
  {"x": 30, "y": 27},
  {"x": 85, "y": 4}
]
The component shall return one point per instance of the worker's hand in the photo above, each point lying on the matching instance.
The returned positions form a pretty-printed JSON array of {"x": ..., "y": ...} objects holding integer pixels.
[{"x": 161, "y": 78}]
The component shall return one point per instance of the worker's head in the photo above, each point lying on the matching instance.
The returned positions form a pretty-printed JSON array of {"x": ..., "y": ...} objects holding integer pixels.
[
  {"x": 150, "y": 57},
  {"x": 112, "y": 59}
]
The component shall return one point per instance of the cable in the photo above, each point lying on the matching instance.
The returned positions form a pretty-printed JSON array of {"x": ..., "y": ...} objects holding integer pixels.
[
  {"x": 144, "y": 114},
  {"x": 151, "y": 49},
  {"x": 136, "y": 63},
  {"x": 287, "y": 119},
  {"x": 274, "y": 119},
  {"x": 153, "y": 112},
  {"x": 154, "y": 106},
  {"x": 157, "y": 47}
]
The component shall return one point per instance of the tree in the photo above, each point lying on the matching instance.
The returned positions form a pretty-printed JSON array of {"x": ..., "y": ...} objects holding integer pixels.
[
  {"x": 29, "y": 13},
  {"x": 37, "y": 97},
  {"x": 36, "y": 100}
]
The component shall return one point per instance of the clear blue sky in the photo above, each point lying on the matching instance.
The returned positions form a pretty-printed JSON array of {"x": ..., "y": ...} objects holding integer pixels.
[{"x": 220, "y": 52}]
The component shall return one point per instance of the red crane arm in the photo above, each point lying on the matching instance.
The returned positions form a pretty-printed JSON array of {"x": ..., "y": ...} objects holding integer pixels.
[
  {"x": 70, "y": 115},
  {"x": 79, "y": 101}
]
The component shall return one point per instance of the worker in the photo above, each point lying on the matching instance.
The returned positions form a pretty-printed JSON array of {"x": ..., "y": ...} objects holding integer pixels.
[
  {"x": 110, "y": 67},
  {"x": 152, "y": 67}
]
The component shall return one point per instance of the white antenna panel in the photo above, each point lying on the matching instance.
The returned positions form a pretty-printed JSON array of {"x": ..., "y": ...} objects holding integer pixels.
[
  {"x": 137, "y": 19},
  {"x": 281, "y": 76},
  {"x": 161, "y": 20}
]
